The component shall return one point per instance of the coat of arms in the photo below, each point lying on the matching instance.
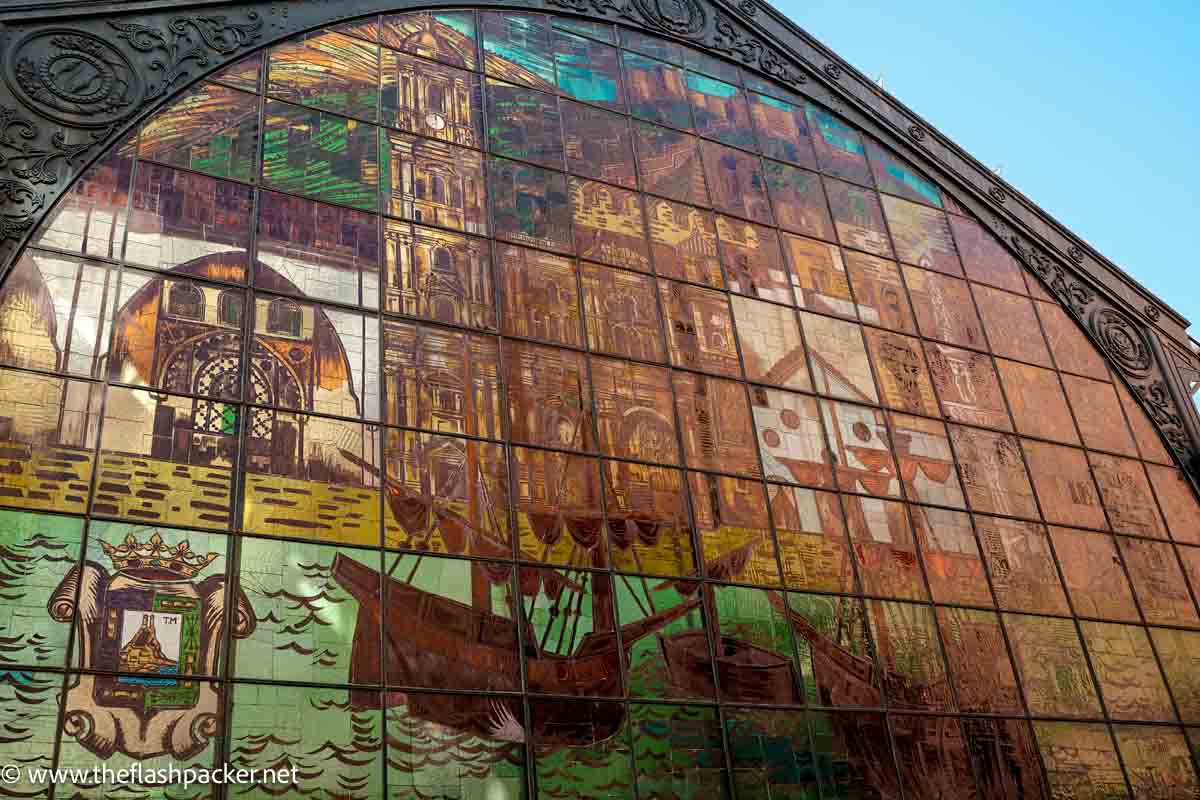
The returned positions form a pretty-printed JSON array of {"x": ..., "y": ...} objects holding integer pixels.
[{"x": 152, "y": 630}]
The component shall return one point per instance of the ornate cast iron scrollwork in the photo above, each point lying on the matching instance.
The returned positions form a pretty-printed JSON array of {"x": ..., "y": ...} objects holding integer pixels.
[
  {"x": 1122, "y": 341},
  {"x": 73, "y": 78}
]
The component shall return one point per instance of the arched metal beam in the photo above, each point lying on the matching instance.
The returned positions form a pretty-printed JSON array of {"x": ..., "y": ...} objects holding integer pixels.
[{"x": 77, "y": 76}]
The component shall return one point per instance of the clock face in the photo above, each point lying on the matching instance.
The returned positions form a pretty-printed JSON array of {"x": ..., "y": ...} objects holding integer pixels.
[{"x": 435, "y": 121}]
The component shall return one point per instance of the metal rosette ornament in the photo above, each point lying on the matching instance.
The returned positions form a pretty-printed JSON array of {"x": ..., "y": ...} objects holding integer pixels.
[
  {"x": 684, "y": 18},
  {"x": 1123, "y": 341},
  {"x": 74, "y": 78}
]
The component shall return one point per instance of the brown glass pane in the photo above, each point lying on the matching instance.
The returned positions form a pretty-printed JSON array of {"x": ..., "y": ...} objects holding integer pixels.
[
  {"x": 1130, "y": 681},
  {"x": 839, "y": 147},
  {"x": 48, "y": 445},
  {"x": 983, "y": 257},
  {"x": 549, "y": 396},
  {"x": 783, "y": 130},
  {"x": 1144, "y": 431},
  {"x": 562, "y": 609},
  {"x": 791, "y": 437},
  {"x": 150, "y": 440},
  {"x": 979, "y": 662},
  {"x": 1126, "y": 495},
  {"x": 836, "y": 657},
  {"x": 530, "y": 205},
  {"x": 649, "y": 529},
  {"x": 1158, "y": 582},
  {"x": 317, "y": 251},
  {"x": 858, "y": 440},
  {"x": 539, "y": 295},
  {"x": 858, "y": 218},
  {"x": 884, "y": 547},
  {"x": 524, "y": 124},
  {"x": 894, "y": 175},
  {"x": 951, "y": 555},
  {"x": 771, "y": 753},
  {"x": 720, "y": 112},
  {"x": 910, "y": 655},
  {"x": 924, "y": 769},
  {"x": 182, "y": 218},
  {"x": 753, "y": 260},
  {"x": 1037, "y": 289},
  {"x": 771, "y": 348},
  {"x": 1098, "y": 415},
  {"x": 1006, "y": 760},
  {"x": 635, "y": 411},
  {"x": 622, "y": 313},
  {"x": 1071, "y": 349},
  {"x": 812, "y": 539},
  {"x": 879, "y": 293},
  {"x": 753, "y": 628},
  {"x": 1179, "y": 652},
  {"x": 926, "y": 462},
  {"x": 735, "y": 182},
  {"x": 1190, "y": 556},
  {"x": 598, "y": 144},
  {"x": 798, "y": 200},
  {"x": 904, "y": 381},
  {"x": 91, "y": 217},
  {"x": 1156, "y": 761},
  {"x": 944, "y": 308},
  {"x": 818, "y": 276},
  {"x": 307, "y": 357},
  {"x": 1095, "y": 578},
  {"x": 445, "y": 495},
  {"x": 1178, "y": 502},
  {"x": 847, "y": 768},
  {"x": 1021, "y": 564},
  {"x": 559, "y": 510},
  {"x": 432, "y": 100},
  {"x": 438, "y": 275},
  {"x": 993, "y": 473},
  {"x": 715, "y": 421},
  {"x": 179, "y": 335},
  {"x": 1051, "y": 666},
  {"x": 446, "y": 36},
  {"x": 212, "y": 129},
  {"x": 968, "y": 386},
  {"x": 243, "y": 73},
  {"x": 461, "y": 394},
  {"x": 1036, "y": 398},
  {"x": 699, "y": 328},
  {"x": 56, "y": 314},
  {"x": 1064, "y": 485},
  {"x": 657, "y": 91},
  {"x": 669, "y": 163},
  {"x": 684, "y": 242},
  {"x": 922, "y": 235},
  {"x": 734, "y": 530},
  {"x": 434, "y": 183},
  {"x": 326, "y": 69},
  {"x": 609, "y": 224},
  {"x": 1011, "y": 325},
  {"x": 1080, "y": 760},
  {"x": 839, "y": 358}
]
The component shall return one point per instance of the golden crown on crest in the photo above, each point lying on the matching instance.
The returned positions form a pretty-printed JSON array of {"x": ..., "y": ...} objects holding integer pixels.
[{"x": 155, "y": 560}]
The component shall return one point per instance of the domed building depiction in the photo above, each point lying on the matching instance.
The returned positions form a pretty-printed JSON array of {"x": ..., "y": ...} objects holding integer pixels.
[{"x": 565, "y": 399}]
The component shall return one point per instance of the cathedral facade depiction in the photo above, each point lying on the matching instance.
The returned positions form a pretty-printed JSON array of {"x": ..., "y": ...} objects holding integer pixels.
[{"x": 565, "y": 399}]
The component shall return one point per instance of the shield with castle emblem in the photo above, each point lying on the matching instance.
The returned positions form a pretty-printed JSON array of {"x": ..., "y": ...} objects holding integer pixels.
[{"x": 152, "y": 629}]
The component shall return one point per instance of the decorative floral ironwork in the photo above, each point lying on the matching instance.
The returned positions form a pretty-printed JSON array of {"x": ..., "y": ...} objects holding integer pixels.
[
  {"x": 1076, "y": 254},
  {"x": 833, "y": 71},
  {"x": 748, "y": 7},
  {"x": 916, "y": 132},
  {"x": 728, "y": 39},
  {"x": 179, "y": 47},
  {"x": 1074, "y": 294},
  {"x": 74, "y": 78},
  {"x": 998, "y": 194},
  {"x": 1122, "y": 340}
]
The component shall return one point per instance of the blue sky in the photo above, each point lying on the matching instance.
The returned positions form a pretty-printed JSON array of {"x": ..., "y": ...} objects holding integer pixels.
[{"x": 1091, "y": 109}]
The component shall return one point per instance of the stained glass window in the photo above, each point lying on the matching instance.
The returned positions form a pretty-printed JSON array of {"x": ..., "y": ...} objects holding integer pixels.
[{"x": 493, "y": 404}]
